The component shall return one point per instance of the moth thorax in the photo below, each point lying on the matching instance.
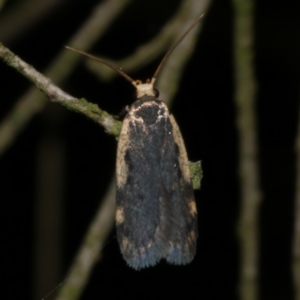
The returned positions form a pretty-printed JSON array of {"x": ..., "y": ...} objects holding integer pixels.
[{"x": 144, "y": 89}]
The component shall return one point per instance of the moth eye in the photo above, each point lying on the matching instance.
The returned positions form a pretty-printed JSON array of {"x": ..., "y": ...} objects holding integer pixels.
[{"x": 156, "y": 93}]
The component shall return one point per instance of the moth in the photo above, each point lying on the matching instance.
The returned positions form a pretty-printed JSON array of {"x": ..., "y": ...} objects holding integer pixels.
[{"x": 156, "y": 216}]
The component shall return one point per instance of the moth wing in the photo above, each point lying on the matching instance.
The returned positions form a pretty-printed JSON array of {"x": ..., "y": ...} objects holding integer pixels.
[
  {"x": 177, "y": 180},
  {"x": 141, "y": 196}
]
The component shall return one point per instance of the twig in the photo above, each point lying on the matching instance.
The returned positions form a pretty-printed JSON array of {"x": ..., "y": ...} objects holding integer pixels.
[
  {"x": 33, "y": 101},
  {"x": 248, "y": 149},
  {"x": 55, "y": 94}
]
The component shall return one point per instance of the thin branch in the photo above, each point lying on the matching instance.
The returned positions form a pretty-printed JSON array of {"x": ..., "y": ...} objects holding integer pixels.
[
  {"x": 55, "y": 94},
  {"x": 33, "y": 101},
  {"x": 248, "y": 149}
]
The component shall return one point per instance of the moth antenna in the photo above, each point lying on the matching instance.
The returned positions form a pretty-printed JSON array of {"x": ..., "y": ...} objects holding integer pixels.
[
  {"x": 173, "y": 48},
  {"x": 103, "y": 62}
]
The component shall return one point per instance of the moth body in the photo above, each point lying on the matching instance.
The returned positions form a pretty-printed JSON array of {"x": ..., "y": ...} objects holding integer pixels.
[{"x": 156, "y": 212}]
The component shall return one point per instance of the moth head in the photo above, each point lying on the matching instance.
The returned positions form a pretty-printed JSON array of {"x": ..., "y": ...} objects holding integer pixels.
[{"x": 145, "y": 89}]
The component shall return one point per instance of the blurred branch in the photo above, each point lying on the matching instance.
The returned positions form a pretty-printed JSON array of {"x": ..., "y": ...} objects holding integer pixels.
[
  {"x": 36, "y": 11},
  {"x": 90, "y": 250},
  {"x": 160, "y": 43},
  {"x": 171, "y": 74},
  {"x": 33, "y": 101},
  {"x": 296, "y": 246},
  {"x": 55, "y": 94},
  {"x": 248, "y": 149},
  {"x": 49, "y": 202},
  {"x": 2, "y": 2}
]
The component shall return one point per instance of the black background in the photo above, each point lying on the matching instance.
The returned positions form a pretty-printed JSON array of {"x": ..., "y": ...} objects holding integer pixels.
[{"x": 205, "y": 112}]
